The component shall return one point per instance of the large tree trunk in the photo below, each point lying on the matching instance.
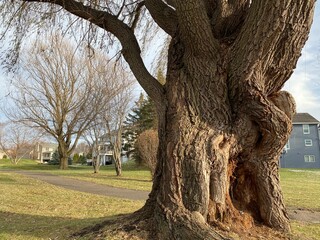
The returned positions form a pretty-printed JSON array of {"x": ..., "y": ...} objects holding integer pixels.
[
  {"x": 64, "y": 163},
  {"x": 225, "y": 121},
  {"x": 218, "y": 155}
]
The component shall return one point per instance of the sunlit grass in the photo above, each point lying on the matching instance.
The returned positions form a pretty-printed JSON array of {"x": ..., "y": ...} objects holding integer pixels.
[
  {"x": 312, "y": 231},
  {"x": 301, "y": 188},
  {"x": 31, "y": 209}
]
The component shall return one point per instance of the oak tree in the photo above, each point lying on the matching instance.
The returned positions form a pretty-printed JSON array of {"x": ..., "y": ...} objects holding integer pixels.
[{"x": 223, "y": 119}]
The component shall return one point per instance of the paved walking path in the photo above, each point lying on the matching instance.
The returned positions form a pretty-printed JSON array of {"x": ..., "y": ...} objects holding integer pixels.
[{"x": 84, "y": 186}]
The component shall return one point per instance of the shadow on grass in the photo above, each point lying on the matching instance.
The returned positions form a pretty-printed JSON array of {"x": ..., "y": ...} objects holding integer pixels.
[
  {"x": 28, "y": 226},
  {"x": 7, "y": 180},
  {"x": 128, "y": 179}
]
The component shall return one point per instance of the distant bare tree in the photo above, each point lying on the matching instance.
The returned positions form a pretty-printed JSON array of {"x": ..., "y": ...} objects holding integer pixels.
[
  {"x": 115, "y": 117},
  {"x": 61, "y": 92},
  {"x": 91, "y": 137},
  {"x": 110, "y": 122},
  {"x": 17, "y": 141},
  {"x": 82, "y": 148}
]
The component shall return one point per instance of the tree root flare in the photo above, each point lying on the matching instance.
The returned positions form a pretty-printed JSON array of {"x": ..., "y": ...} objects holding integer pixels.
[{"x": 179, "y": 226}]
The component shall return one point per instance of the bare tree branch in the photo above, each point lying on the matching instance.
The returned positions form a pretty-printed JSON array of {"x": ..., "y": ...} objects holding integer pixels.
[
  {"x": 17, "y": 141},
  {"x": 130, "y": 47}
]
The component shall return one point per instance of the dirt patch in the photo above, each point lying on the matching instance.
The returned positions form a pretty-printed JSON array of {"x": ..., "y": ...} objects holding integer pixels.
[{"x": 304, "y": 215}]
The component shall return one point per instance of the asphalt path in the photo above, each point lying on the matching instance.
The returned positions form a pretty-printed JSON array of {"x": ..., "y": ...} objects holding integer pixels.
[{"x": 84, "y": 186}]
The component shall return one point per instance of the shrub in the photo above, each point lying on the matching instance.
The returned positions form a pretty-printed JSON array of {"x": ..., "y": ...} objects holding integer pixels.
[
  {"x": 76, "y": 158},
  {"x": 82, "y": 160},
  {"x": 146, "y": 146}
]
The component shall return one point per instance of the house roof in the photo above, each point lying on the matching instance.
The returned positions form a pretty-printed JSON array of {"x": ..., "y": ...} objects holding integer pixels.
[
  {"x": 299, "y": 118},
  {"x": 48, "y": 145}
]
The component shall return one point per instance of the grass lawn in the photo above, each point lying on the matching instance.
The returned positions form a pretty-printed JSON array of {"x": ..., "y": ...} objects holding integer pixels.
[
  {"x": 301, "y": 188},
  {"x": 31, "y": 209},
  {"x": 133, "y": 177}
]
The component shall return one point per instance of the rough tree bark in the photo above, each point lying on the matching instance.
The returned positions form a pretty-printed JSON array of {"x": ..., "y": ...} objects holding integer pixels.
[{"x": 223, "y": 119}]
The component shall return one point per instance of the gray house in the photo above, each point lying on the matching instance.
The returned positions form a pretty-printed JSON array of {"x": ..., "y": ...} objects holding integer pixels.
[{"x": 303, "y": 148}]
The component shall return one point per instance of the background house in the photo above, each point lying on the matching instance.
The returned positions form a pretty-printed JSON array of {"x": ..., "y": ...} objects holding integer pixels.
[
  {"x": 105, "y": 150},
  {"x": 303, "y": 148},
  {"x": 43, "y": 151},
  {"x": 2, "y": 154}
]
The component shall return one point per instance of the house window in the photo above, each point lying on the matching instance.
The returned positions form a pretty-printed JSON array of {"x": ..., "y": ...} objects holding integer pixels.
[
  {"x": 306, "y": 129},
  {"x": 309, "y": 158},
  {"x": 287, "y": 146},
  {"x": 308, "y": 142}
]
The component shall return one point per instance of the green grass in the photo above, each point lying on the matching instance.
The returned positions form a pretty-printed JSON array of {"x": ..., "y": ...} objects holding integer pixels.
[
  {"x": 39, "y": 210},
  {"x": 25, "y": 164},
  {"x": 31, "y": 209},
  {"x": 133, "y": 177},
  {"x": 306, "y": 230},
  {"x": 301, "y": 188}
]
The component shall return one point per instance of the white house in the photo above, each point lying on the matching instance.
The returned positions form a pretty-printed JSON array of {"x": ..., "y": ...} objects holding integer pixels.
[
  {"x": 105, "y": 151},
  {"x": 43, "y": 151}
]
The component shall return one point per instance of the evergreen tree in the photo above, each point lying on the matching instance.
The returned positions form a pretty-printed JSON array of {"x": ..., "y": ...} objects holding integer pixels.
[
  {"x": 55, "y": 159},
  {"x": 82, "y": 160},
  {"x": 142, "y": 117}
]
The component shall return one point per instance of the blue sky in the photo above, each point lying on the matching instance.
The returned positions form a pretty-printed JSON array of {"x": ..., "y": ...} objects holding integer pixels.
[{"x": 304, "y": 84}]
